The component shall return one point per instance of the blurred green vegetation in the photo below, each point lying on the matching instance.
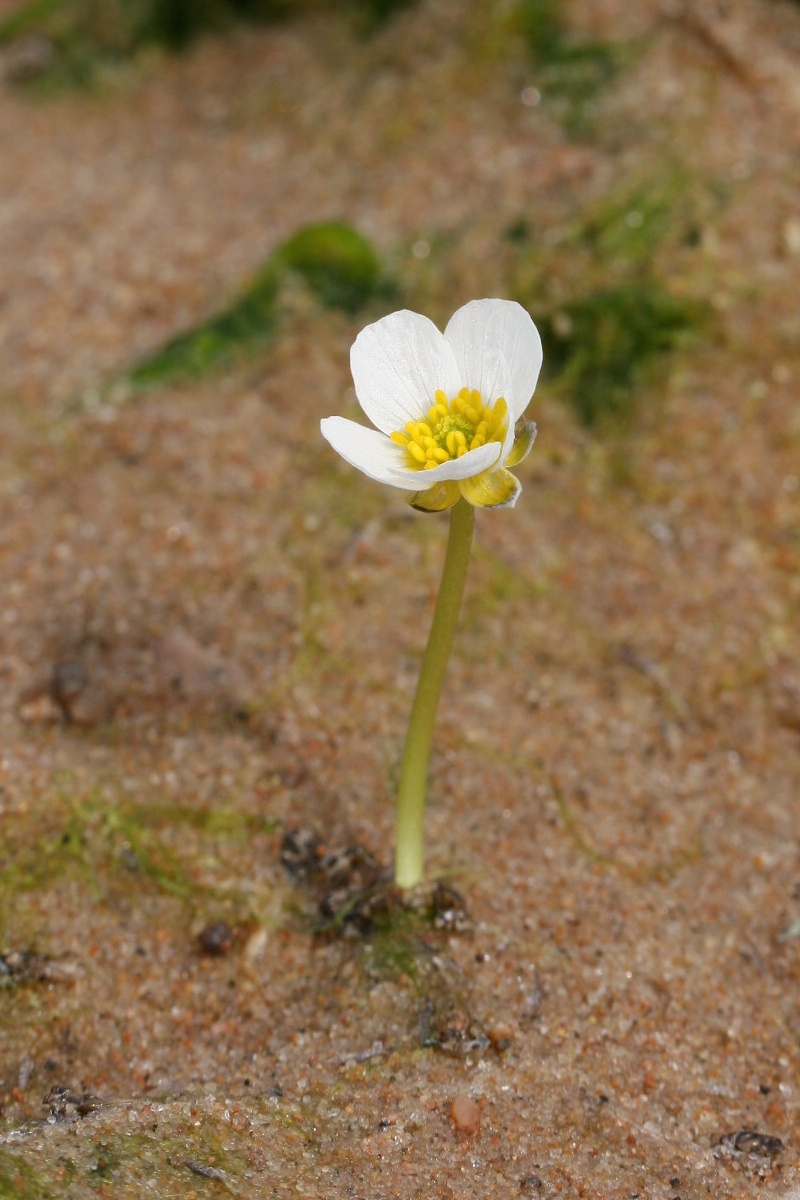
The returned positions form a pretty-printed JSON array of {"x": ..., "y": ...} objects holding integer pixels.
[
  {"x": 79, "y": 34},
  {"x": 615, "y": 289},
  {"x": 335, "y": 262},
  {"x": 599, "y": 347},
  {"x": 174, "y": 23},
  {"x": 248, "y": 320},
  {"x": 572, "y": 72},
  {"x": 606, "y": 303}
]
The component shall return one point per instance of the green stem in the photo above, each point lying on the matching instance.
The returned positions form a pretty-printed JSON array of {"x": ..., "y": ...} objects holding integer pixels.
[{"x": 416, "y": 755}]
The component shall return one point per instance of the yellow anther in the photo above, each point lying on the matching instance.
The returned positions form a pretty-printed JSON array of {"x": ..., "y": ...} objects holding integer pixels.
[{"x": 452, "y": 429}]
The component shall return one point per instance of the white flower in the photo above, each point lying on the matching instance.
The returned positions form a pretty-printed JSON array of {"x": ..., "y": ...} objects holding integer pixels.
[{"x": 447, "y": 405}]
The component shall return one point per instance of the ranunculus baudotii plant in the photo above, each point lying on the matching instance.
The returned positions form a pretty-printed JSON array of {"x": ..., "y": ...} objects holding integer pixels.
[{"x": 448, "y": 415}]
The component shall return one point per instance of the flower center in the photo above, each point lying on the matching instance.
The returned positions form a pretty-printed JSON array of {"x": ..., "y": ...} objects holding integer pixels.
[{"x": 452, "y": 428}]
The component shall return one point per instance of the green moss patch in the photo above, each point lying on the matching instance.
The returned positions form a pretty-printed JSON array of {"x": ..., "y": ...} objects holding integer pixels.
[
  {"x": 336, "y": 263},
  {"x": 607, "y": 310},
  {"x": 598, "y": 348},
  {"x": 247, "y": 321}
]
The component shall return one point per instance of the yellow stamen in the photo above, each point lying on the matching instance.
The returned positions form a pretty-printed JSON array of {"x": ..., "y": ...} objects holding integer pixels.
[{"x": 453, "y": 427}]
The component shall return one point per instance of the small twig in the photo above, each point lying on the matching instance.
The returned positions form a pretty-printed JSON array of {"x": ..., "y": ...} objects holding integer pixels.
[
  {"x": 692, "y": 21},
  {"x": 657, "y": 675},
  {"x": 375, "y": 1051},
  {"x": 198, "y": 1168},
  {"x": 658, "y": 870}
]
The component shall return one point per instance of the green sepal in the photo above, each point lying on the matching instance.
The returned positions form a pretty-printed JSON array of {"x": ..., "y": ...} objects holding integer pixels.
[
  {"x": 436, "y": 498},
  {"x": 524, "y": 437},
  {"x": 491, "y": 489}
]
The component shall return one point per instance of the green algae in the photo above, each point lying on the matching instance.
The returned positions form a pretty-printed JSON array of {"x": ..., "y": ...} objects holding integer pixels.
[
  {"x": 120, "y": 1162},
  {"x": 109, "y": 847},
  {"x": 19, "y": 1181}
]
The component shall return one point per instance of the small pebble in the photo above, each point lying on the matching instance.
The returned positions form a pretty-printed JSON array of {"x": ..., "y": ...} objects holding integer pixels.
[
  {"x": 500, "y": 1036},
  {"x": 25, "y": 1073},
  {"x": 70, "y": 678},
  {"x": 203, "y": 1170},
  {"x": 466, "y": 1116},
  {"x": 216, "y": 938},
  {"x": 748, "y": 1141}
]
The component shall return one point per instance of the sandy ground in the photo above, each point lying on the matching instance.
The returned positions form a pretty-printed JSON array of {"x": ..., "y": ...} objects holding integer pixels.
[{"x": 209, "y": 633}]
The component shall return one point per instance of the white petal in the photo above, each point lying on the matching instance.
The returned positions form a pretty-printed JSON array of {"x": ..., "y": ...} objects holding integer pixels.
[
  {"x": 371, "y": 452},
  {"x": 474, "y": 462},
  {"x": 485, "y": 332},
  {"x": 398, "y": 363}
]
